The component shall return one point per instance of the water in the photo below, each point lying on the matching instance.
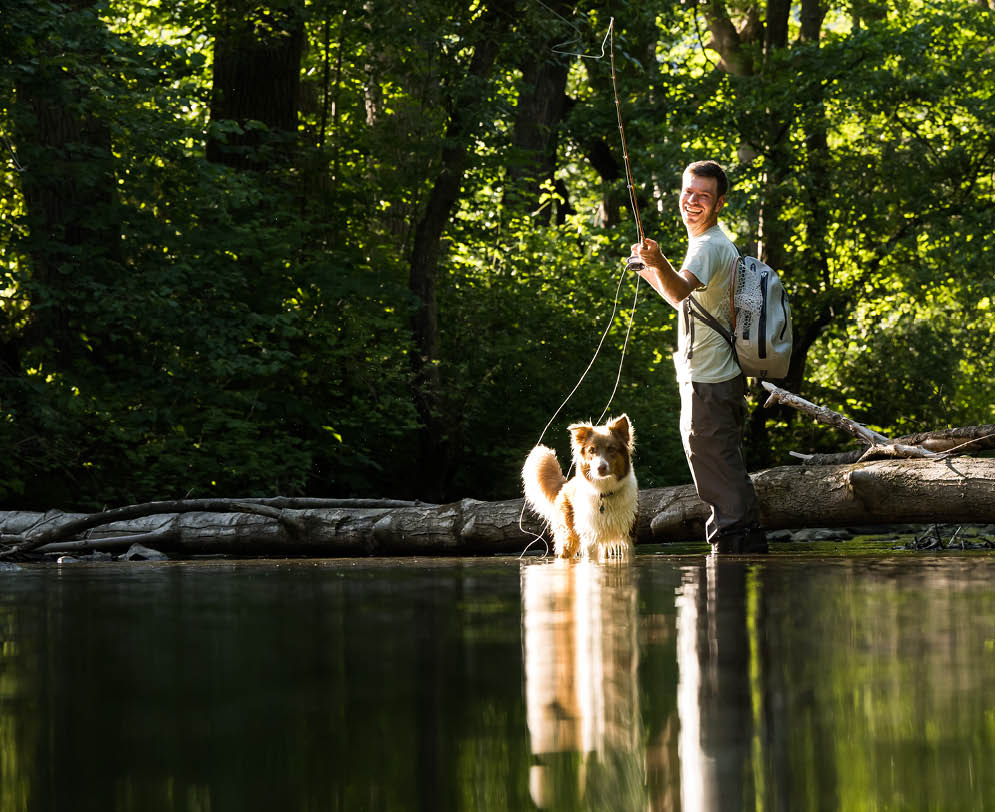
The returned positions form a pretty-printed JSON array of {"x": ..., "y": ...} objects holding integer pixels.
[{"x": 794, "y": 682}]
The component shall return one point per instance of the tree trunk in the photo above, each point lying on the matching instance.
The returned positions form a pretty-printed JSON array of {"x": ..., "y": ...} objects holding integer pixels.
[
  {"x": 780, "y": 167},
  {"x": 69, "y": 193},
  {"x": 542, "y": 104},
  {"x": 434, "y": 453},
  {"x": 727, "y": 41},
  {"x": 256, "y": 80},
  {"x": 960, "y": 490}
]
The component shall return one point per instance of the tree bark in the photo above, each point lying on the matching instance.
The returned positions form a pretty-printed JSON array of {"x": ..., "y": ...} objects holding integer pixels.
[
  {"x": 542, "y": 104},
  {"x": 69, "y": 189},
  {"x": 960, "y": 490},
  {"x": 256, "y": 78},
  {"x": 433, "y": 451},
  {"x": 727, "y": 41}
]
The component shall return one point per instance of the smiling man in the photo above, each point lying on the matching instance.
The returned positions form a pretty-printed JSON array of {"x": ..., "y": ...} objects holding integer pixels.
[{"x": 713, "y": 388}]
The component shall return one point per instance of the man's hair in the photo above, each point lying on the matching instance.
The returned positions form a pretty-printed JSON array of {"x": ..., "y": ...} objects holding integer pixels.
[{"x": 711, "y": 169}]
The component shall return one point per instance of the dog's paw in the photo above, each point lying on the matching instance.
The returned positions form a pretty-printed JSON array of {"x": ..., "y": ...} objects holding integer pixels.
[
  {"x": 570, "y": 548},
  {"x": 619, "y": 550}
]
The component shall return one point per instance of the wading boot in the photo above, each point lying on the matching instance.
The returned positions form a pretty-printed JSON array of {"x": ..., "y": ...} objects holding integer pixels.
[{"x": 751, "y": 541}]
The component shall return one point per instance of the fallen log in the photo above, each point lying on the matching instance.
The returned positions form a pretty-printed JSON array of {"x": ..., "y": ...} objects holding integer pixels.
[
  {"x": 49, "y": 529},
  {"x": 879, "y": 492},
  {"x": 952, "y": 490},
  {"x": 467, "y": 527}
]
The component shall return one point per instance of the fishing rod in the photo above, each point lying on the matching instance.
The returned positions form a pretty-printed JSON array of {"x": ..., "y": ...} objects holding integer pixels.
[
  {"x": 629, "y": 182},
  {"x": 633, "y": 263}
]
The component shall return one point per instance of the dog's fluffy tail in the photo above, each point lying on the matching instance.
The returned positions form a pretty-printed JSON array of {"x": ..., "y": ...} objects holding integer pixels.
[{"x": 543, "y": 479}]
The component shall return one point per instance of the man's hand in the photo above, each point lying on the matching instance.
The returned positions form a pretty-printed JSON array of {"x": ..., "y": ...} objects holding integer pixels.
[
  {"x": 650, "y": 254},
  {"x": 657, "y": 270}
]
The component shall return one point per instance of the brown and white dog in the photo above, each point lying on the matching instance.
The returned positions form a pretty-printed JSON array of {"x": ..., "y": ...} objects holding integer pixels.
[{"x": 593, "y": 514}]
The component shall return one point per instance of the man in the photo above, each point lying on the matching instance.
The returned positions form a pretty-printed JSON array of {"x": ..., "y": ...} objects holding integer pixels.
[{"x": 713, "y": 388}]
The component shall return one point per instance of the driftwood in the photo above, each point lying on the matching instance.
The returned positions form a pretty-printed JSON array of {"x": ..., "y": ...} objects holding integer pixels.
[
  {"x": 51, "y": 528},
  {"x": 822, "y": 414},
  {"x": 963, "y": 439},
  {"x": 241, "y": 527},
  {"x": 925, "y": 445},
  {"x": 952, "y": 490}
]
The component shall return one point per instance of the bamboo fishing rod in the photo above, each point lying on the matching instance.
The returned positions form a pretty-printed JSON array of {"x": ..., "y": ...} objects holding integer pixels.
[{"x": 633, "y": 263}]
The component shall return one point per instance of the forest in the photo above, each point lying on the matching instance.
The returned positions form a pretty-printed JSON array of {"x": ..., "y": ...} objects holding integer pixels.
[{"x": 364, "y": 249}]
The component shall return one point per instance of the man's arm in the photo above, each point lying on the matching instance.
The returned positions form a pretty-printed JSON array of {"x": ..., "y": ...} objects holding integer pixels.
[{"x": 672, "y": 285}]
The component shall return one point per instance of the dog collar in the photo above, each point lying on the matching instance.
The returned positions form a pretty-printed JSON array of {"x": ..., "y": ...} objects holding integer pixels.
[{"x": 601, "y": 499}]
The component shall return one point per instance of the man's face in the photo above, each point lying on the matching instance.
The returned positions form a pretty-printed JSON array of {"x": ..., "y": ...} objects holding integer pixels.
[{"x": 700, "y": 203}]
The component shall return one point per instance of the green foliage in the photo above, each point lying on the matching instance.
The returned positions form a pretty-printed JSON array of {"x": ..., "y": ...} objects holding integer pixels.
[
  {"x": 536, "y": 305},
  {"x": 234, "y": 349},
  {"x": 178, "y": 327}
]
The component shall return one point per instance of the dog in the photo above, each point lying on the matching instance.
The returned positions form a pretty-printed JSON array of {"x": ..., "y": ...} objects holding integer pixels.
[{"x": 593, "y": 514}]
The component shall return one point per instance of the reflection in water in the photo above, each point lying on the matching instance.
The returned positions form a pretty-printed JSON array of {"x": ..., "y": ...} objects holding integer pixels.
[
  {"x": 884, "y": 685},
  {"x": 297, "y": 685},
  {"x": 581, "y": 661},
  {"x": 787, "y": 685},
  {"x": 837, "y": 684},
  {"x": 793, "y": 683},
  {"x": 714, "y": 656}
]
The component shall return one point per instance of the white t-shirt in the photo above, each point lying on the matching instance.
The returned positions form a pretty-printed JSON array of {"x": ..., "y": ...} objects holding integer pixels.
[{"x": 711, "y": 257}]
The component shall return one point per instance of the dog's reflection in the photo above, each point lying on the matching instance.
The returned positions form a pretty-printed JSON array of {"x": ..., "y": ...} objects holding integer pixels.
[{"x": 581, "y": 683}]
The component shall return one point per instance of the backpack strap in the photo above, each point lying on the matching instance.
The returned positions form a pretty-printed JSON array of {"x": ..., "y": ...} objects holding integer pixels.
[
  {"x": 688, "y": 326},
  {"x": 741, "y": 259},
  {"x": 693, "y": 309}
]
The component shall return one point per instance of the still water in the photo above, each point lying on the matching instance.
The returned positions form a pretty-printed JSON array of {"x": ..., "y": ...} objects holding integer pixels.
[{"x": 793, "y": 682}]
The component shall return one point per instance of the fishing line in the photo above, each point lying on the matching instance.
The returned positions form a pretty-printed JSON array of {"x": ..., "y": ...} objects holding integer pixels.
[
  {"x": 604, "y": 335},
  {"x": 558, "y": 49},
  {"x": 13, "y": 155},
  {"x": 632, "y": 264},
  {"x": 625, "y": 148}
]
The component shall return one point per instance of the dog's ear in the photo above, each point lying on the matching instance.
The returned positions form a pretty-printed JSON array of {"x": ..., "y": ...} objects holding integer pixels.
[
  {"x": 623, "y": 431},
  {"x": 580, "y": 433}
]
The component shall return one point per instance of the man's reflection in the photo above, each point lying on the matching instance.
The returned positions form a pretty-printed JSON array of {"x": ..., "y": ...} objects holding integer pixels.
[
  {"x": 581, "y": 684},
  {"x": 719, "y": 667}
]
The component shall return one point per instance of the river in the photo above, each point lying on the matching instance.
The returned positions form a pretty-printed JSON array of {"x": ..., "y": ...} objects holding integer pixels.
[{"x": 797, "y": 681}]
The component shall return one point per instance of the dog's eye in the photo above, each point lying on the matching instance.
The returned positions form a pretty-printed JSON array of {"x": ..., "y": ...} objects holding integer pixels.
[{"x": 591, "y": 450}]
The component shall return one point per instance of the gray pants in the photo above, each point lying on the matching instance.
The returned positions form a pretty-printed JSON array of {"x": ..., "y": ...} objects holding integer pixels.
[{"x": 712, "y": 418}]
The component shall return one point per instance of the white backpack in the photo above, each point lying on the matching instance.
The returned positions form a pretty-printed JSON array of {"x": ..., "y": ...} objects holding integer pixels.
[{"x": 761, "y": 319}]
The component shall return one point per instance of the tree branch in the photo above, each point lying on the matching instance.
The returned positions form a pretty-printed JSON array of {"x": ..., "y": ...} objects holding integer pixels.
[{"x": 823, "y": 415}]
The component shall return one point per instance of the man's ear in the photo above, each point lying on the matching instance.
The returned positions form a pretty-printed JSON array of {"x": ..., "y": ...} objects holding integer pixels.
[{"x": 720, "y": 203}]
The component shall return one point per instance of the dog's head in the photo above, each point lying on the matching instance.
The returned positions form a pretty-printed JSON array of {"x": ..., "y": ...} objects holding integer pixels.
[{"x": 604, "y": 451}]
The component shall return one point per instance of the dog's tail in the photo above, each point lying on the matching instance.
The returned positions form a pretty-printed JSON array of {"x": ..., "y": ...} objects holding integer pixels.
[{"x": 543, "y": 479}]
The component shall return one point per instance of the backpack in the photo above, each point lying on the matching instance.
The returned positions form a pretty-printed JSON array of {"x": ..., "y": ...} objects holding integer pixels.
[{"x": 761, "y": 319}]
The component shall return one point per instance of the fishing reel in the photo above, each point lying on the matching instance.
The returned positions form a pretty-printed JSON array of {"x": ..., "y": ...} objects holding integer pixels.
[{"x": 634, "y": 264}]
